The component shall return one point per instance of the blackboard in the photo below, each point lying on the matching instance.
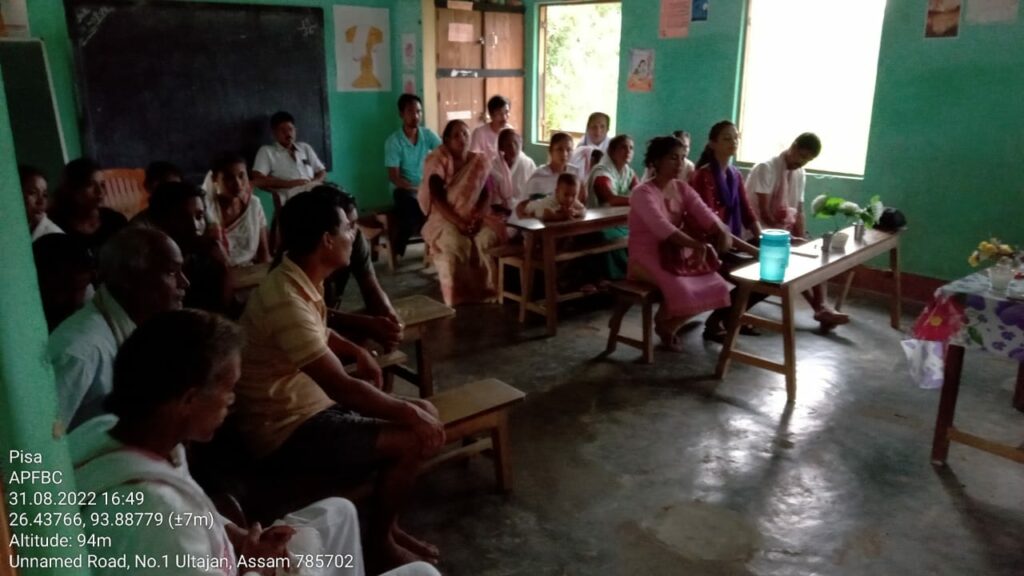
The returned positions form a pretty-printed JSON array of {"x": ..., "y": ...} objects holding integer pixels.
[
  {"x": 184, "y": 81},
  {"x": 38, "y": 139}
]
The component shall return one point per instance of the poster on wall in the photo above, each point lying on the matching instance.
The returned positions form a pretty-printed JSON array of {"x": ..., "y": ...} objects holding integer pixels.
[
  {"x": 700, "y": 10},
  {"x": 362, "y": 49},
  {"x": 943, "y": 19},
  {"x": 408, "y": 83},
  {"x": 992, "y": 11},
  {"x": 408, "y": 52},
  {"x": 674, "y": 21},
  {"x": 641, "y": 70}
]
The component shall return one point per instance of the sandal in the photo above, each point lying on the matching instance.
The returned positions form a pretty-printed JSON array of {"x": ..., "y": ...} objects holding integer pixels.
[{"x": 714, "y": 334}]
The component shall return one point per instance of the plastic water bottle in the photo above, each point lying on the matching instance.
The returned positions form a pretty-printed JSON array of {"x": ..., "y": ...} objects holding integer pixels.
[{"x": 774, "y": 254}]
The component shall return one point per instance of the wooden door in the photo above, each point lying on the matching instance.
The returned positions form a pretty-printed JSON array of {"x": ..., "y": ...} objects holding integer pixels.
[{"x": 479, "y": 55}]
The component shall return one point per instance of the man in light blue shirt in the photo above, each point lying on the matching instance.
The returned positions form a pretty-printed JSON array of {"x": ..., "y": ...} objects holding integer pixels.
[{"x": 404, "y": 152}]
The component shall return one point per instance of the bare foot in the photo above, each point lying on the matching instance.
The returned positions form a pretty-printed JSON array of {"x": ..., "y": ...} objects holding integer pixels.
[
  {"x": 669, "y": 340},
  {"x": 415, "y": 545}
]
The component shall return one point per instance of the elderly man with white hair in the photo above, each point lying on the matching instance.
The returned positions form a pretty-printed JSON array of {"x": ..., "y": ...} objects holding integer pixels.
[{"x": 141, "y": 276}]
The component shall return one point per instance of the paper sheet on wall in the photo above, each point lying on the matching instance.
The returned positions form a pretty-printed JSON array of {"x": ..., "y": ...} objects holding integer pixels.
[
  {"x": 459, "y": 115},
  {"x": 461, "y": 32},
  {"x": 943, "y": 19},
  {"x": 362, "y": 49},
  {"x": 641, "y": 70},
  {"x": 408, "y": 52},
  {"x": 674, "y": 21},
  {"x": 700, "y": 10},
  {"x": 409, "y": 83},
  {"x": 992, "y": 11}
]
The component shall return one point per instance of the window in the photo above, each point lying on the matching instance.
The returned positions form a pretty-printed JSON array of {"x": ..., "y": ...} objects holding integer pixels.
[
  {"x": 809, "y": 66},
  {"x": 579, "y": 54}
]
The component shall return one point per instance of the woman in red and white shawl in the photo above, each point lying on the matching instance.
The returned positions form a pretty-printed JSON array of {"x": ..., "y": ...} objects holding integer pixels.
[{"x": 460, "y": 225}]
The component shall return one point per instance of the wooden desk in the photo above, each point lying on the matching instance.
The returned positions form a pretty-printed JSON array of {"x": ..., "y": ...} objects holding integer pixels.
[
  {"x": 548, "y": 233},
  {"x": 803, "y": 274},
  {"x": 418, "y": 313}
]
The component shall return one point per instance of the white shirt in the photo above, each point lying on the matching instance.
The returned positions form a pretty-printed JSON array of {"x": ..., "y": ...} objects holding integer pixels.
[
  {"x": 765, "y": 176},
  {"x": 276, "y": 161},
  {"x": 45, "y": 226},
  {"x": 485, "y": 139},
  {"x": 82, "y": 351},
  {"x": 243, "y": 236},
  {"x": 544, "y": 180},
  {"x": 537, "y": 208},
  {"x": 518, "y": 175}
]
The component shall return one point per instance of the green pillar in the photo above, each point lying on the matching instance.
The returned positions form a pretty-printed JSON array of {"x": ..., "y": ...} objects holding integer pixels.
[{"x": 28, "y": 406}]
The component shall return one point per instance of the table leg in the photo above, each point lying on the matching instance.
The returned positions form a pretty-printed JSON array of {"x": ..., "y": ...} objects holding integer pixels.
[
  {"x": 847, "y": 281},
  {"x": 947, "y": 403},
  {"x": 424, "y": 368},
  {"x": 550, "y": 284},
  {"x": 526, "y": 275},
  {"x": 895, "y": 310},
  {"x": 732, "y": 329},
  {"x": 1018, "y": 393},
  {"x": 789, "y": 345}
]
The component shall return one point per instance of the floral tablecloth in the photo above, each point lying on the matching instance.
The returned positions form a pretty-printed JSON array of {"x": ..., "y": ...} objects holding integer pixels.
[{"x": 968, "y": 313}]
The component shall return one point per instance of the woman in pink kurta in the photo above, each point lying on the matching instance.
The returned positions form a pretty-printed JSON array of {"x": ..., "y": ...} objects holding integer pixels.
[
  {"x": 460, "y": 226},
  {"x": 669, "y": 227}
]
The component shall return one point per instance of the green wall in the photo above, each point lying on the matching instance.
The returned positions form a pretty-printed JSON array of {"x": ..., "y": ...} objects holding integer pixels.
[
  {"x": 359, "y": 121},
  {"x": 947, "y": 136},
  {"x": 947, "y": 133},
  {"x": 28, "y": 403}
]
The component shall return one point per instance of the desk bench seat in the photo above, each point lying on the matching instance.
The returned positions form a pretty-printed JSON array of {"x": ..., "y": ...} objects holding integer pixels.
[{"x": 479, "y": 411}]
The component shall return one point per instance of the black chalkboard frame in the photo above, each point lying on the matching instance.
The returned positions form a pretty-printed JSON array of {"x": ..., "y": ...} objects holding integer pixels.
[{"x": 92, "y": 134}]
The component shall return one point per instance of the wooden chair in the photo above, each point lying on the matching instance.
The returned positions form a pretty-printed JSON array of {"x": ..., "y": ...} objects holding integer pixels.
[
  {"x": 124, "y": 191},
  {"x": 627, "y": 293},
  {"x": 387, "y": 241},
  {"x": 478, "y": 410},
  {"x": 502, "y": 256}
]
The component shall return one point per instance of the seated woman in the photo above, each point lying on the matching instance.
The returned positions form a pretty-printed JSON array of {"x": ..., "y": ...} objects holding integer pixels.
[
  {"x": 609, "y": 184},
  {"x": 237, "y": 212},
  {"x": 177, "y": 208},
  {"x": 543, "y": 181},
  {"x": 720, "y": 186},
  {"x": 78, "y": 206},
  {"x": 65, "y": 270},
  {"x": 33, "y": 191},
  {"x": 688, "y": 167},
  {"x": 174, "y": 381},
  {"x": 460, "y": 225},
  {"x": 669, "y": 231},
  {"x": 595, "y": 139},
  {"x": 511, "y": 171}
]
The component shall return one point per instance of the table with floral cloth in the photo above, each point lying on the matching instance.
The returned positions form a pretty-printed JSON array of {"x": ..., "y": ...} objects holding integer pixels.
[{"x": 967, "y": 314}]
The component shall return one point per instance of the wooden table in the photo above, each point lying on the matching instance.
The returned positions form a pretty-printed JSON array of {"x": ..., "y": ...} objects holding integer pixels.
[
  {"x": 547, "y": 234},
  {"x": 418, "y": 313},
  {"x": 987, "y": 322},
  {"x": 804, "y": 272}
]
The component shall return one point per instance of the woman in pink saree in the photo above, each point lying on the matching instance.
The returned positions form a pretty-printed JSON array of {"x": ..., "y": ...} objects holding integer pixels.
[{"x": 460, "y": 226}]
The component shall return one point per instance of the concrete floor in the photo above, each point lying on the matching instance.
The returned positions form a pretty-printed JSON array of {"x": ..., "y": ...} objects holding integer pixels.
[{"x": 622, "y": 468}]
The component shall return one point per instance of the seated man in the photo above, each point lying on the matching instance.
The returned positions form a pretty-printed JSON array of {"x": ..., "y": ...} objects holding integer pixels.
[
  {"x": 404, "y": 152},
  {"x": 159, "y": 401},
  {"x": 776, "y": 190},
  {"x": 379, "y": 322},
  {"x": 299, "y": 411},
  {"x": 142, "y": 276},
  {"x": 286, "y": 167}
]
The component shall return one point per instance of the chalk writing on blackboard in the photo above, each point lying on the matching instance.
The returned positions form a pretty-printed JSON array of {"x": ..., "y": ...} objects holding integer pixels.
[
  {"x": 89, "y": 21},
  {"x": 307, "y": 28}
]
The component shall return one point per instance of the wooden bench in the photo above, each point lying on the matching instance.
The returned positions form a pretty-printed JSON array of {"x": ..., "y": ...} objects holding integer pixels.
[
  {"x": 627, "y": 293},
  {"x": 387, "y": 362},
  {"x": 479, "y": 411},
  {"x": 502, "y": 256}
]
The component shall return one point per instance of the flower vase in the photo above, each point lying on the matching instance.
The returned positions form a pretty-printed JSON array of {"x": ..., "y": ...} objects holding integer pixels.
[
  {"x": 1000, "y": 274},
  {"x": 839, "y": 242},
  {"x": 858, "y": 232},
  {"x": 826, "y": 242}
]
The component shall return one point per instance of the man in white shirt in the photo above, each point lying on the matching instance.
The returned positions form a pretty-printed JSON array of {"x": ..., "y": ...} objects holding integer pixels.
[
  {"x": 776, "y": 190},
  {"x": 142, "y": 276},
  {"x": 287, "y": 166}
]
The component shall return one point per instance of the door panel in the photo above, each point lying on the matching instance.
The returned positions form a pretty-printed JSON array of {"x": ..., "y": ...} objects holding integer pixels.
[
  {"x": 458, "y": 54},
  {"x": 461, "y": 98},
  {"x": 503, "y": 35}
]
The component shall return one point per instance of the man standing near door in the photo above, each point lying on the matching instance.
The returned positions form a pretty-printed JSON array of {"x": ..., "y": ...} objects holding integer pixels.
[{"x": 404, "y": 152}]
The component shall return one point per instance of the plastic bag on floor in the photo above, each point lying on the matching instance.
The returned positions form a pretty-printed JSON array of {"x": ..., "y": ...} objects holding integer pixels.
[{"x": 925, "y": 358}]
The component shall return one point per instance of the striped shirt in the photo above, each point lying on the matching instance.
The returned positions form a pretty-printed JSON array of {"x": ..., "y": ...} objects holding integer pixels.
[{"x": 285, "y": 322}]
